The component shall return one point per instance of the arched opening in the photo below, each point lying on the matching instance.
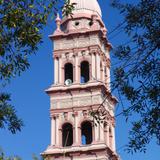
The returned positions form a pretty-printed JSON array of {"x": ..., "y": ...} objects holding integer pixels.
[
  {"x": 84, "y": 72},
  {"x": 68, "y": 71},
  {"x": 86, "y": 133},
  {"x": 67, "y": 135}
]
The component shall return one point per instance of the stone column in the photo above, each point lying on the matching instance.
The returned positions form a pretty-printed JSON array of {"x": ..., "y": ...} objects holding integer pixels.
[
  {"x": 108, "y": 74},
  {"x": 60, "y": 71},
  {"x": 96, "y": 131},
  {"x": 76, "y": 140},
  {"x": 76, "y": 68},
  {"x": 79, "y": 73},
  {"x": 113, "y": 139},
  {"x": 98, "y": 70},
  {"x": 101, "y": 127},
  {"x": 57, "y": 130},
  {"x": 53, "y": 132},
  {"x": 93, "y": 67},
  {"x": 108, "y": 138},
  {"x": 63, "y": 76},
  {"x": 56, "y": 71},
  {"x": 106, "y": 131},
  {"x": 103, "y": 73},
  {"x": 108, "y": 77},
  {"x": 80, "y": 136}
]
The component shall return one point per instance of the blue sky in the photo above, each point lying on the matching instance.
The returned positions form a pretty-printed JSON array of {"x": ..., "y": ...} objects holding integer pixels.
[{"x": 32, "y": 103}]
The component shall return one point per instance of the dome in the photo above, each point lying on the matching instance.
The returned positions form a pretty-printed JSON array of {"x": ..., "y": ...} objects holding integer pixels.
[{"x": 87, "y": 7}]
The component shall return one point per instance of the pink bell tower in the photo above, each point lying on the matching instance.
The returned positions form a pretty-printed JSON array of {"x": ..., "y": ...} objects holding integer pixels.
[{"x": 81, "y": 83}]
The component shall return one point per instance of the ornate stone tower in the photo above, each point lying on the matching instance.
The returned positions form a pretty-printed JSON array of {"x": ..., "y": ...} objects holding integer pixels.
[{"x": 81, "y": 86}]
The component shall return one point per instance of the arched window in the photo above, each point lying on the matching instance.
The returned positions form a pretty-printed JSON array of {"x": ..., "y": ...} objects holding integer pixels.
[
  {"x": 67, "y": 135},
  {"x": 68, "y": 71},
  {"x": 84, "y": 72},
  {"x": 86, "y": 133}
]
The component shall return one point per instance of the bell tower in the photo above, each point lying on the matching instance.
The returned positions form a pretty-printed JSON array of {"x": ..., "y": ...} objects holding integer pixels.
[{"x": 81, "y": 87}]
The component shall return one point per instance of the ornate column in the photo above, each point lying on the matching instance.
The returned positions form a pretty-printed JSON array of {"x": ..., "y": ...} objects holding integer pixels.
[
  {"x": 76, "y": 68},
  {"x": 76, "y": 133},
  {"x": 103, "y": 73},
  {"x": 108, "y": 78},
  {"x": 96, "y": 131},
  {"x": 106, "y": 131},
  {"x": 57, "y": 130},
  {"x": 62, "y": 74},
  {"x": 53, "y": 133},
  {"x": 113, "y": 139},
  {"x": 56, "y": 71},
  {"x": 108, "y": 73},
  {"x": 60, "y": 70},
  {"x": 98, "y": 71},
  {"x": 101, "y": 128},
  {"x": 110, "y": 137},
  {"x": 93, "y": 66}
]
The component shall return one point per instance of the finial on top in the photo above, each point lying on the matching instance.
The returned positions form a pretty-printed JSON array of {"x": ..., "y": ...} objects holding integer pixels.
[
  {"x": 58, "y": 22},
  {"x": 58, "y": 18}
]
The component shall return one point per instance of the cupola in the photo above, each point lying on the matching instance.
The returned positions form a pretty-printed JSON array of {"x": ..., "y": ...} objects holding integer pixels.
[{"x": 87, "y": 7}]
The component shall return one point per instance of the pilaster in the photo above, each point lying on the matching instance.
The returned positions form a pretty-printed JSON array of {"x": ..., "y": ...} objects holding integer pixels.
[
  {"x": 96, "y": 131},
  {"x": 60, "y": 71},
  {"x": 53, "y": 133},
  {"x": 93, "y": 66},
  {"x": 77, "y": 68},
  {"x": 101, "y": 128},
  {"x": 56, "y": 79},
  {"x": 57, "y": 130},
  {"x": 113, "y": 139},
  {"x": 76, "y": 133},
  {"x": 106, "y": 131},
  {"x": 98, "y": 71}
]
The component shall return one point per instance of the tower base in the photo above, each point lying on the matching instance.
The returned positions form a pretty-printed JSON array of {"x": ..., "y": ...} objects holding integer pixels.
[{"x": 89, "y": 152}]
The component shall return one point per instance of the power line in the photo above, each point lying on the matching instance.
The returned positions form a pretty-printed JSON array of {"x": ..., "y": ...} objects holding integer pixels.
[
  {"x": 117, "y": 27},
  {"x": 112, "y": 37}
]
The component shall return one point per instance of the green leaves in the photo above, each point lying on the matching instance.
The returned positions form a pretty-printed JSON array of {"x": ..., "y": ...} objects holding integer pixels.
[
  {"x": 137, "y": 75},
  {"x": 68, "y": 8},
  {"x": 19, "y": 37},
  {"x": 21, "y": 28},
  {"x": 8, "y": 117},
  {"x": 20, "y": 32}
]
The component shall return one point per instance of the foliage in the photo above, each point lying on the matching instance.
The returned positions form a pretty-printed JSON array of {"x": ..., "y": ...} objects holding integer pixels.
[
  {"x": 137, "y": 77},
  {"x": 8, "y": 114},
  {"x": 21, "y": 28},
  {"x": 68, "y": 8}
]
